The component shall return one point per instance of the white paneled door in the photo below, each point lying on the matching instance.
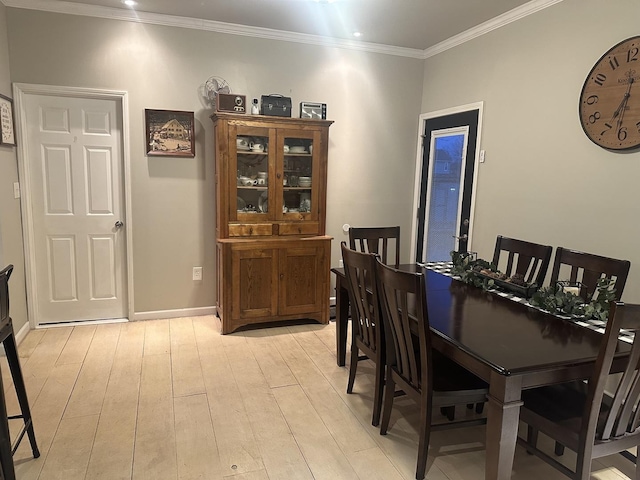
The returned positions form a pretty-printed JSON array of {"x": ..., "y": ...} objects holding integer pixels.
[{"x": 74, "y": 156}]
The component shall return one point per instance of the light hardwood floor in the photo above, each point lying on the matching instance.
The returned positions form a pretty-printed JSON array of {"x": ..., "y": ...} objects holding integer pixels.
[{"x": 174, "y": 399}]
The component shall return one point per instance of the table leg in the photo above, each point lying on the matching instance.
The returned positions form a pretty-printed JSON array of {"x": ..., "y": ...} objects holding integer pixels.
[
  {"x": 342, "y": 318},
  {"x": 503, "y": 414}
]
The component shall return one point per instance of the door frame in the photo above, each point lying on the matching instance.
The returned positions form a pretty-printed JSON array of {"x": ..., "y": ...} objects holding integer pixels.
[
  {"x": 418, "y": 174},
  {"x": 20, "y": 91}
]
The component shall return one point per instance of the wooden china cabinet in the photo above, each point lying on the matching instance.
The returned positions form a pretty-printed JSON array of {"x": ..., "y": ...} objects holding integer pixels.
[{"x": 273, "y": 257}]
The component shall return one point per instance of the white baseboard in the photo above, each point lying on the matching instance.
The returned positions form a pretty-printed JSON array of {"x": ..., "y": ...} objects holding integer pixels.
[
  {"x": 20, "y": 334},
  {"x": 180, "y": 312},
  {"x": 332, "y": 301},
  {"x": 81, "y": 323}
]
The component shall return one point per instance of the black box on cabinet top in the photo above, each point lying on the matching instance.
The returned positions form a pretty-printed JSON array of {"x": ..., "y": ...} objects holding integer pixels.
[{"x": 275, "y": 105}]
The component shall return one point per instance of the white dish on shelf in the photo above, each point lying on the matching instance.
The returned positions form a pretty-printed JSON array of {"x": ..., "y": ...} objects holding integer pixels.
[
  {"x": 263, "y": 203},
  {"x": 297, "y": 149},
  {"x": 244, "y": 148}
]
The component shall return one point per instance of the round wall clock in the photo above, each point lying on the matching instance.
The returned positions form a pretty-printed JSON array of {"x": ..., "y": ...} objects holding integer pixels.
[{"x": 610, "y": 99}]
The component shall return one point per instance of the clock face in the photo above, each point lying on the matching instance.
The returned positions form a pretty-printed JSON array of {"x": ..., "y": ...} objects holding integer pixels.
[{"x": 610, "y": 100}]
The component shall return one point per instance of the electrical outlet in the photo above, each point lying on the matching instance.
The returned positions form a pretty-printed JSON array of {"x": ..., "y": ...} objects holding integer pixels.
[
  {"x": 341, "y": 264},
  {"x": 197, "y": 273}
]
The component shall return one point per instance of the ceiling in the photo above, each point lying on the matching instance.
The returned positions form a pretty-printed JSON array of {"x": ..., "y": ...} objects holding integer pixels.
[{"x": 410, "y": 24}]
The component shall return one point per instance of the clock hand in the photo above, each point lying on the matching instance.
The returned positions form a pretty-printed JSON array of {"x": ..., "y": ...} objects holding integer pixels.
[
  {"x": 617, "y": 110},
  {"x": 624, "y": 103}
]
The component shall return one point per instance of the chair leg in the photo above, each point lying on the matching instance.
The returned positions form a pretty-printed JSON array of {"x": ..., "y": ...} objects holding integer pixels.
[
  {"x": 389, "y": 389},
  {"x": 559, "y": 449},
  {"x": 352, "y": 367},
  {"x": 377, "y": 396},
  {"x": 532, "y": 437},
  {"x": 637, "y": 477},
  {"x": 449, "y": 412},
  {"x": 7, "y": 471},
  {"x": 423, "y": 440},
  {"x": 21, "y": 392}
]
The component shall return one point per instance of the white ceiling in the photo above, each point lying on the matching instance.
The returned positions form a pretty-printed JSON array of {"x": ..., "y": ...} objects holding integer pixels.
[{"x": 408, "y": 24}]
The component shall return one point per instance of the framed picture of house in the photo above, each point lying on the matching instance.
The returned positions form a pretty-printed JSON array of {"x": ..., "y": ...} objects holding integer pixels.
[
  {"x": 7, "y": 135},
  {"x": 170, "y": 133}
]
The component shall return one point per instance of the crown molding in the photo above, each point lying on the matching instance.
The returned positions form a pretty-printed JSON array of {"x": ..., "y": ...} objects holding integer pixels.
[
  {"x": 71, "y": 8},
  {"x": 500, "y": 21}
]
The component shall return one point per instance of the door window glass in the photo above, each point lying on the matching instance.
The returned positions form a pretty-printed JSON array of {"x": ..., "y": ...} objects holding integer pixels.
[{"x": 444, "y": 194}]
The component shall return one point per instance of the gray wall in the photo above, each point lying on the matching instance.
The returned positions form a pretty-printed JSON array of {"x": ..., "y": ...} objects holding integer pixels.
[
  {"x": 373, "y": 99},
  {"x": 11, "y": 250},
  {"x": 543, "y": 179}
]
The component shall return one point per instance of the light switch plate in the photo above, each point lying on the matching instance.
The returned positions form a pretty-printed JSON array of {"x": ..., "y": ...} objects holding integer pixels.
[{"x": 197, "y": 273}]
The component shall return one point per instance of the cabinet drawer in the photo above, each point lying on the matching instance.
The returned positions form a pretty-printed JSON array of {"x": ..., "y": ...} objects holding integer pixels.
[
  {"x": 306, "y": 228},
  {"x": 250, "y": 229}
]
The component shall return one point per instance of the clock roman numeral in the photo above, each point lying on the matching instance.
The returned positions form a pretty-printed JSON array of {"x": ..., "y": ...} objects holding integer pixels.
[
  {"x": 613, "y": 62},
  {"x": 600, "y": 79}
]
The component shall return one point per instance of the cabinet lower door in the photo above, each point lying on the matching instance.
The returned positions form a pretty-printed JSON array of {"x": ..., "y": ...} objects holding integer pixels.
[
  {"x": 303, "y": 272},
  {"x": 255, "y": 283}
]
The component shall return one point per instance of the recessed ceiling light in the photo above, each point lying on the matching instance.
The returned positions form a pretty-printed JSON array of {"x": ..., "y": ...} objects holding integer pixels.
[
  {"x": 129, "y": 3},
  {"x": 324, "y": 1},
  {"x": 357, "y": 34}
]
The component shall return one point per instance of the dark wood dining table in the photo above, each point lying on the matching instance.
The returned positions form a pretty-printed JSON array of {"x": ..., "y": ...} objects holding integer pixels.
[{"x": 508, "y": 344}]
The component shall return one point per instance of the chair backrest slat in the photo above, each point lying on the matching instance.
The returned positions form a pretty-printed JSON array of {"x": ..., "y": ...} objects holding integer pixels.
[
  {"x": 402, "y": 298},
  {"x": 532, "y": 260},
  {"x": 360, "y": 272},
  {"x": 5, "y": 273},
  {"x": 377, "y": 240},
  {"x": 588, "y": 268}
]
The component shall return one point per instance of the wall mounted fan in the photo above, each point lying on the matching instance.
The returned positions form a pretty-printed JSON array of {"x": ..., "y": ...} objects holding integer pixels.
[{"x": 211, "y": 88}]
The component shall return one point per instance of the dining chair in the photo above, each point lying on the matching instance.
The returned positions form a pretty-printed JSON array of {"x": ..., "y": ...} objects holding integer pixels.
[
  {"x": 378, "y": 240},
  {"x": 428, "y": 377},
  {"x": 531, "y": 260},
  {"x": 8, "y": 340},
  {"x": 591, "y": 422},
  {"x": 366, "y": 328},
  {"x": 587, "y": 269}
]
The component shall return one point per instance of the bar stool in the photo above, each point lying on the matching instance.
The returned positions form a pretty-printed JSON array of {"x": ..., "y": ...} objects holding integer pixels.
[{"x": 8, "y": 339}]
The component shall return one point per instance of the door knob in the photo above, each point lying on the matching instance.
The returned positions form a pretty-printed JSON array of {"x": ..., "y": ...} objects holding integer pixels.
[
  {"x": 462, "y": 238},
  {"x": 119, "y": 224}
]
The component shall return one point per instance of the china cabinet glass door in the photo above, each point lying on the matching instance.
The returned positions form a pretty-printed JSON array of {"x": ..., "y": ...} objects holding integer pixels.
[
  {"x": 250, "y": 148},
  {"x": 299, "y": 170}
]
